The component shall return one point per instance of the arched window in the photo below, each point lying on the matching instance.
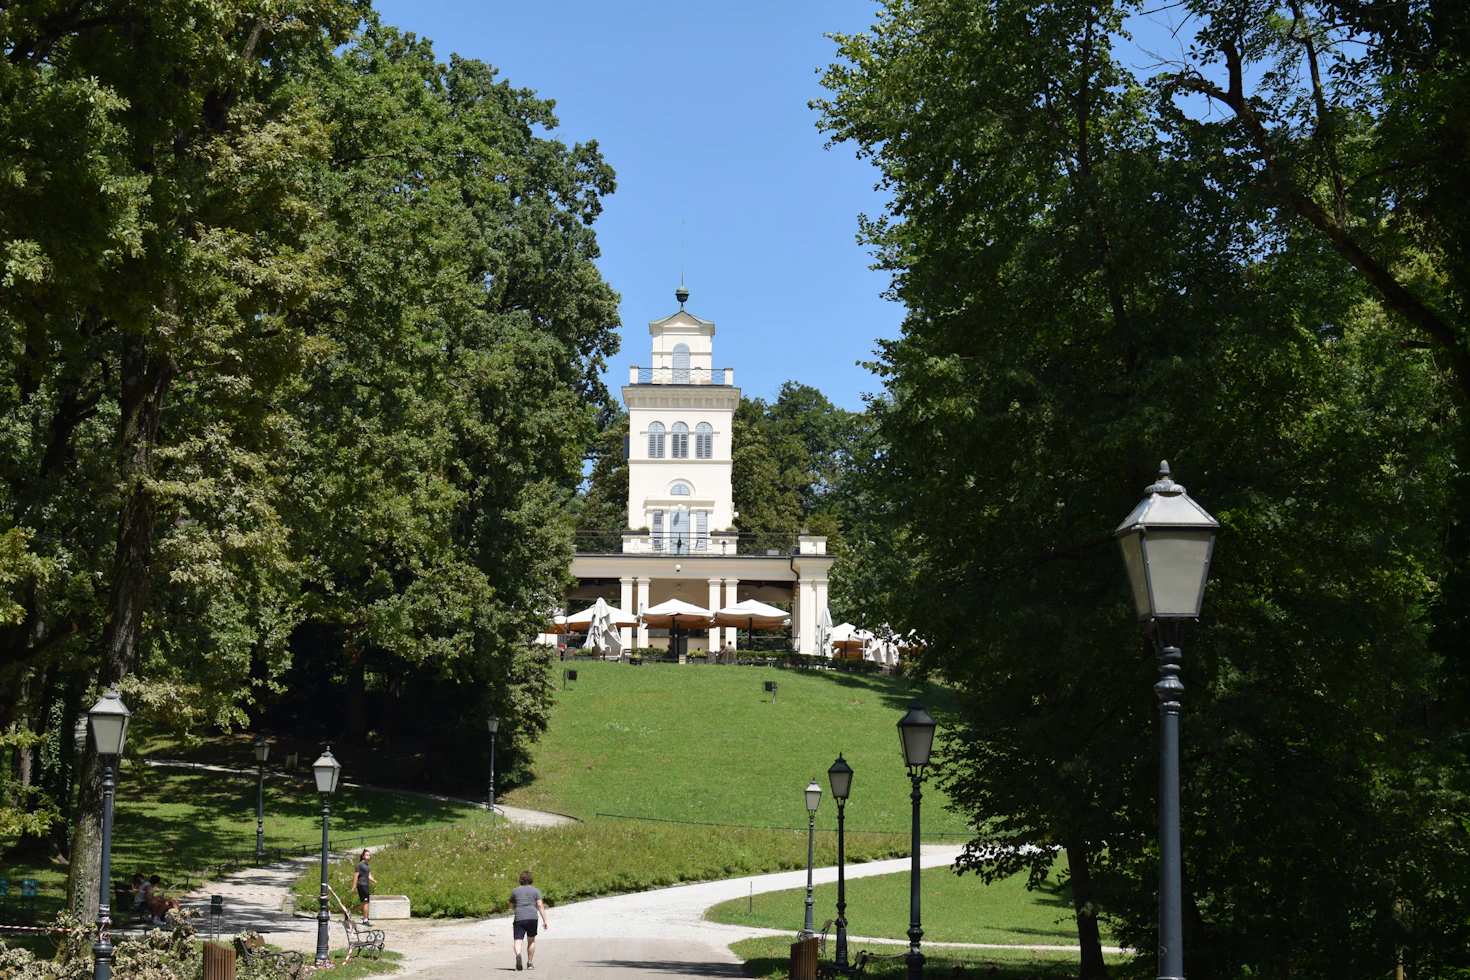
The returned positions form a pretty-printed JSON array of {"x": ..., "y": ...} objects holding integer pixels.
[
  {"x": 704, "y": 441},
  {"x": 679, "y": 448},
  {"x": 656, "y": 440},
  {"x": 681, "y": 364},
  {"x": 680, "y": 490}
]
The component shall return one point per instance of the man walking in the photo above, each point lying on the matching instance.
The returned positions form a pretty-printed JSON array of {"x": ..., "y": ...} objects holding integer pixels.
[
  {"x": 362, "y": 880},
  {"x": 525, "y": 901}
]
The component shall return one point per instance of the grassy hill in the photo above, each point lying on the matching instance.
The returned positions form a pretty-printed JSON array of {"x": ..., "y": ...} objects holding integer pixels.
[{"x": 705, "y": 743}]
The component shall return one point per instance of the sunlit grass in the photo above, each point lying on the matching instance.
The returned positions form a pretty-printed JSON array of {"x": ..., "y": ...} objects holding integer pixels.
[
  {"x": 470, "y": 871},
  {"x": 705, "y": 743}
]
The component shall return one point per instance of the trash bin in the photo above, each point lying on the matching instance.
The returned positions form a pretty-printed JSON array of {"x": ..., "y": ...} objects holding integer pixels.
[
  {"x": 219, "y": 962},
  {"x": 804, "y": 959}
]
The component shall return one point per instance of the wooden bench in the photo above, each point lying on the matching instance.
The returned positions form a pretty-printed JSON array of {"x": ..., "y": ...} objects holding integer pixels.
[
  {"x": 253, "y": 951},
  {"x": 368, "y": 940}
]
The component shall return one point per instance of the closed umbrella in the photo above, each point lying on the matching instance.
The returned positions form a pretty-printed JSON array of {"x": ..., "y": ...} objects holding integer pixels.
[
  {"x": 602, "y": 627},
  {"x": 619, "y": 617},
  {"x": 674, "y": 615},
  {"x": 751, "y": 614},
  {"x": 824, "y": 632}
]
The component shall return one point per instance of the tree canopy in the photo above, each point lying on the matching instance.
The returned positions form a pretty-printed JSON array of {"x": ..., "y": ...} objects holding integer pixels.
[
  {"x": 302, "y": 337},
  {"x": 1097, "y": 276}
]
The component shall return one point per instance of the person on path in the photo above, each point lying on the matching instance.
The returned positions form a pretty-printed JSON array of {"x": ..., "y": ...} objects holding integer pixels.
[
  {"x": 525, "y": 901},
  {"x": 362, "y": 880}
]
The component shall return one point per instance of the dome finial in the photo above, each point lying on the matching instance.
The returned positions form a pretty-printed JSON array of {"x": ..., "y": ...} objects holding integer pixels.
[{"x": 682, "y": 295}]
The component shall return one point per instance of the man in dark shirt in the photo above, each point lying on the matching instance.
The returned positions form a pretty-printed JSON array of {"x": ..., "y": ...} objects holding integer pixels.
[
  {"x": 525, "y": 903},
  {"x": 362, "y": 879}
]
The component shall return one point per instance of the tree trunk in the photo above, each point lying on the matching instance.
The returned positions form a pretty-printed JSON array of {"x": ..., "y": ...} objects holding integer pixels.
[
  {"x": 146, "y": 376},
  {"x": 1093, "y": 967},
  {"x": 356, "y": 702}
]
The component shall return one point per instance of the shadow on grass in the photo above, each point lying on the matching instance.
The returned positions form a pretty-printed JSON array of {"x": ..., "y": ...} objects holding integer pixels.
[{"x": 935, "y": 968}]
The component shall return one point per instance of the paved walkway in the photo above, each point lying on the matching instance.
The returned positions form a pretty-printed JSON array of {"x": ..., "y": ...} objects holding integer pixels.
[
  {"x": 515, "y": 814},
  {"x": 659, "y": 933}
]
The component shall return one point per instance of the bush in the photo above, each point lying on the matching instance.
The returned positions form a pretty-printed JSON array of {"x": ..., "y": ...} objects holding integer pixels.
[
  {"x": 159, "y": 954},
  {"x": 469, "y": 871}
]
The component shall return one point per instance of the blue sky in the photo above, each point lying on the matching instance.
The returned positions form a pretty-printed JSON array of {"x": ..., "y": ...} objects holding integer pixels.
[{"x": 702, "y": 111}]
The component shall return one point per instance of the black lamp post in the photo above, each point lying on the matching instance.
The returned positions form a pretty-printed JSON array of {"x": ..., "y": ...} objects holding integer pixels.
[
  {"x": 813, "y": 793},
  {"x": 109, "y": 722},
  {"x": 492, "y": 723},
  {"x": 1167, "y": 543},
  {"x": 262, "y": 752},
  {"x": 916, "y": 733},
  {"x": 327, "y": 770},
  {"x": 840, "y": 776}
]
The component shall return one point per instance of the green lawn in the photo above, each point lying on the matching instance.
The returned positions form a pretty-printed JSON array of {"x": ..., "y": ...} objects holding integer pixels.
[
  {"x": 956, "y": 909},
  {"x": 705, "y": 743},
  {"x": 175, "y": 823},
  {"x": 769, "y": 958},
  {"x": 470, "y": 870}
]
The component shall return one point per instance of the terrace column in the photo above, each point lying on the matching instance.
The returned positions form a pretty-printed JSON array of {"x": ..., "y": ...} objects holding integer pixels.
[
  {"x": 732, "y": 586},
  {"x": 625, "y": 634},
  {"x": 714, "y": 606},
  {"x": 642, "y": 605},
  {"x": 804, "y": 615}
]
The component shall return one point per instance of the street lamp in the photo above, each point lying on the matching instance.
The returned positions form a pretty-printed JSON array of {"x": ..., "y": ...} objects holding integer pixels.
[
  {"x": 109, "y": 723},
  {"x": 327, "y": 770},
  {"x": 813, "y": 794},
  {"x": 916, "y": 734},
  {"x": 1167, "y": 544},
  {"x": 262, "y": 752},
  {"x": 492, "y": 723},
  {"x": 840, "y": 776}
]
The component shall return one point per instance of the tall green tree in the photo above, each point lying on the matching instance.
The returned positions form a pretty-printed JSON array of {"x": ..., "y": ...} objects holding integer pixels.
[
  {"x": 1094, "y": 280},
  {"x": 152, "y": 254}
]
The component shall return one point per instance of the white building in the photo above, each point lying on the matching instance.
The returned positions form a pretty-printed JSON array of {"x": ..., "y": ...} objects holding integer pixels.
[{"x": 681, "y": 540}]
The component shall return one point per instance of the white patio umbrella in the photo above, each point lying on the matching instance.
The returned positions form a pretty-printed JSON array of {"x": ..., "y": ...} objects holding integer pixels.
[
  {"x": 751, "y": 614},
  {"x": 619, "y": 617},
  {"x": 602, "y": 627},
  {"x": 675, "y": 614},
  {"x": 824, "y": 632}
]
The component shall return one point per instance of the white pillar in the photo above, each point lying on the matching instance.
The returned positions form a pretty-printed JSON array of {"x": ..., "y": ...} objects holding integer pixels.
[
  {"x": 732, "y": 586},
  {"x": 626, "y": 602},
  {"x": 714, "y": 605},
  {"x": 804, "y": 615},
  {"x": 642, "y": 584}
]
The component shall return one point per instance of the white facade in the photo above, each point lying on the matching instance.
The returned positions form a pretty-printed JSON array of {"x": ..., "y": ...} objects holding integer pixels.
[
  {"x": 681, "y": 540},
  {"x": 680, "y": 413}
]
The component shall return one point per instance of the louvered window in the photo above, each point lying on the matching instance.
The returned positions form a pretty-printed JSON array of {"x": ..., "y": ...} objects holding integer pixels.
[
  {"x": 658, "y": 530},
  {"x": 679, "y": 490},
  {"x": 681, "y": 364},
  {"x": 656, "y": 440},
  {"x": 701, "y": 530},
  {"x": 679, "y": 448},
  {"x": 704, "y": 441}
]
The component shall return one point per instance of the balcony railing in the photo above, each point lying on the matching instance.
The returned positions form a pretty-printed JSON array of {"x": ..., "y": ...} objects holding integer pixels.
[
  {"x": 681, "y": 376},
  {"x": 685, "y": 543}
]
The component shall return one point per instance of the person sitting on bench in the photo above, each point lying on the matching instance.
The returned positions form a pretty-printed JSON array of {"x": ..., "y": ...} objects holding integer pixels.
[{"x": 158, "y": 905}]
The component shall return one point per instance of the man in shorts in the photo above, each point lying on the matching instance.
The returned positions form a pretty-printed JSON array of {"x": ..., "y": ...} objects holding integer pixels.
[
  {"x": 362, "y": 879},
  {"x": 525, "y": 903}
]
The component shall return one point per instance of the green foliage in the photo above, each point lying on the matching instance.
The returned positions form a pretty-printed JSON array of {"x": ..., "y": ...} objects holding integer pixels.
[
  {"x": 470, "y": 871},
  {"x": 1095, "y": 280},
  {"x": 603, "y": 512}
]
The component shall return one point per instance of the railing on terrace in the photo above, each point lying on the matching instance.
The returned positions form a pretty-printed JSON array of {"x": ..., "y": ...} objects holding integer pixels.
[
  {"x": 684, "y": 543},
  {"x": 681, "y": 376}
]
